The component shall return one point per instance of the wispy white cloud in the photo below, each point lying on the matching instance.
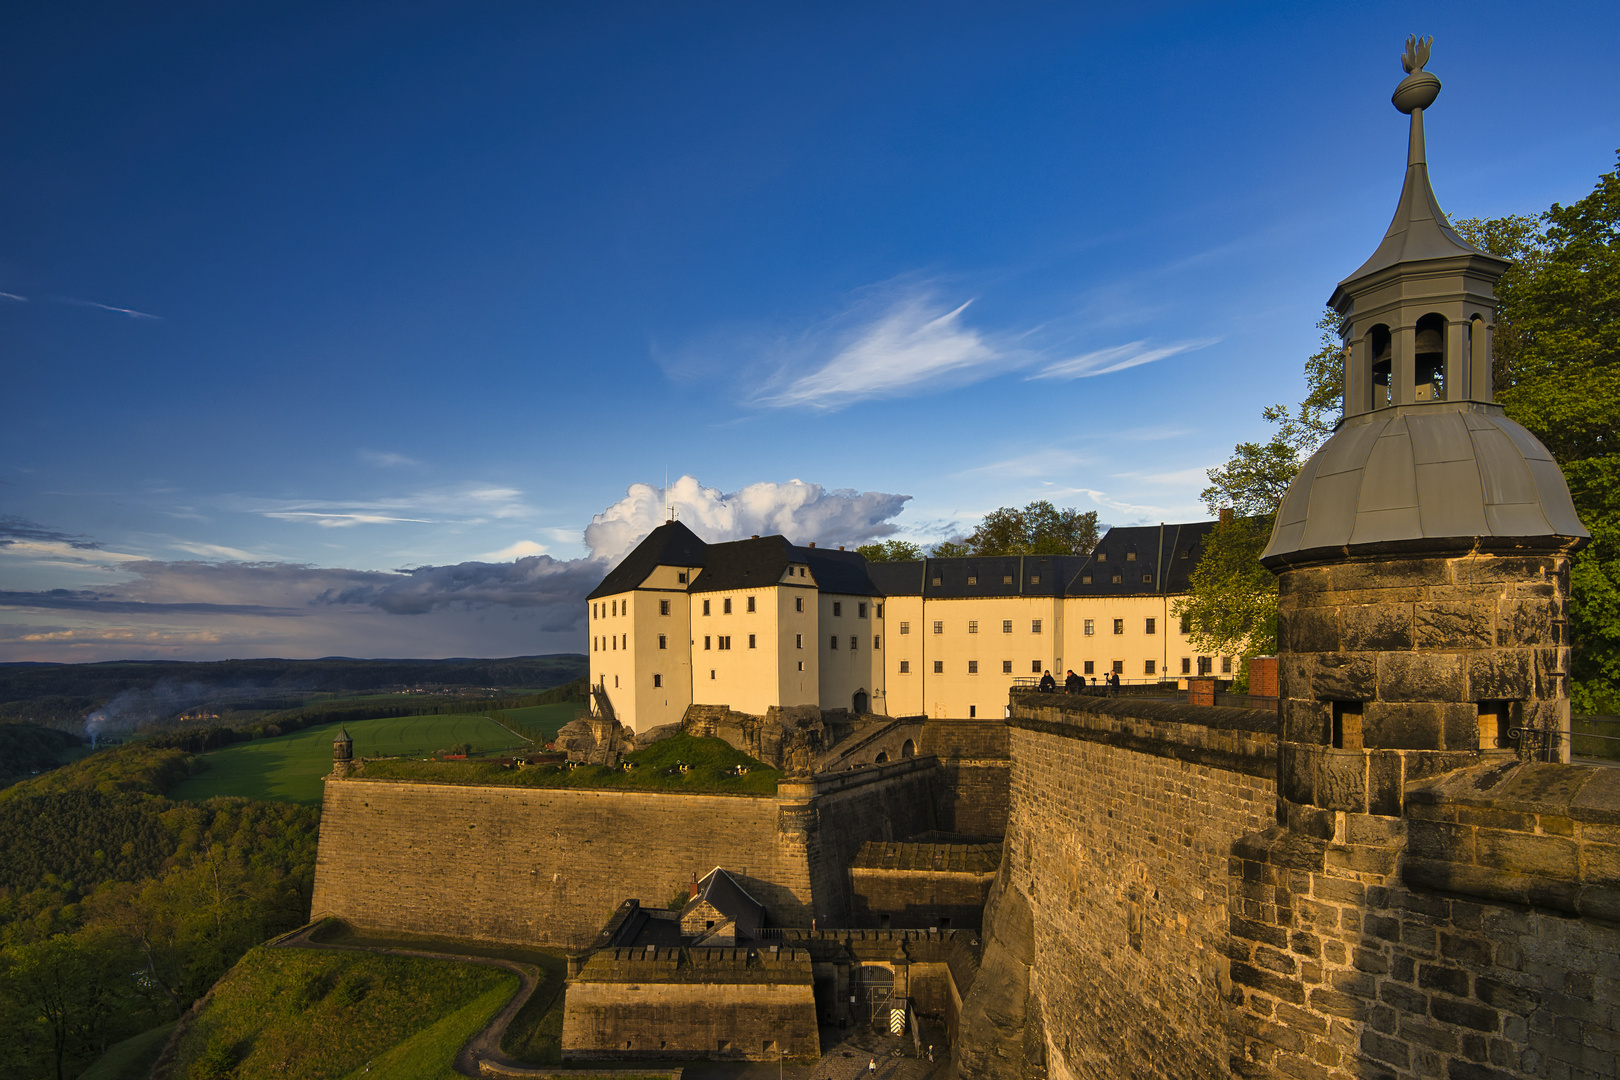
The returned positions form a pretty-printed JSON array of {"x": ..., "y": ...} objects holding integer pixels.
[
  {"x": 386, "y": 459},
  {"x": 344, "y": 521},
  {"x": 1117, "y": 358},
  {"x": 518, "y": 550},
  {"x": 131, "y": 312},
  {"x": 916, "y": 345},
  {"x": 14, "y": 297},
  {"x": 1042, "y": 462},
  {"x": 470, "y": 505},
  {"x": 216, "y": 551}
]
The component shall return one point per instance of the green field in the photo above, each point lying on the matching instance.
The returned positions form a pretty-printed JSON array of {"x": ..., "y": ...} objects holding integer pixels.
[
  {"x": 290, "y": 768},
  {"x": 542, "y": 722}
]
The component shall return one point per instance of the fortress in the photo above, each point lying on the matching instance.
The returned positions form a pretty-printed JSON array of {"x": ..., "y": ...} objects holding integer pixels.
[{"x": 1395, "y": 873}]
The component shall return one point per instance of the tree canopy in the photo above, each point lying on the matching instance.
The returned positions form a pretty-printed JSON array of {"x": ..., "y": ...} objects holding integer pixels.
[
  {"x": 1037, "y": 529},
  {"x": 891, "y": 551}
]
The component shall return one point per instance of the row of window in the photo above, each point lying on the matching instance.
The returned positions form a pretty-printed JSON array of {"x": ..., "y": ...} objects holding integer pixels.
[
  {"x": 603, "y": 644},
  {"x": 1150, "y": 626},
  {"x": 1149, "y": 667}
]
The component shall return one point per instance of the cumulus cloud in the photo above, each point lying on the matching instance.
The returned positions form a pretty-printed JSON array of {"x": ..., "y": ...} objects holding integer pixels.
[{"x": 797, "y": 510}]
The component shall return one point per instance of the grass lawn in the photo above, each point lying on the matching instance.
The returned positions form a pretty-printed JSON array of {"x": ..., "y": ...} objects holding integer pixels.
[
  {"x": 289, "y": 768},
  {"x": 710, "y": 768},
  {"x": 131, "y": 1059},
  {"x": 304, "y": 1014},
  {"x": 543, "y": 721}
]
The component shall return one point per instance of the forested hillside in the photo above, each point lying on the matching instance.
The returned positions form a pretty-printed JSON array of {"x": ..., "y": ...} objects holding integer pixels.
[{"x": 119, "y": 907}]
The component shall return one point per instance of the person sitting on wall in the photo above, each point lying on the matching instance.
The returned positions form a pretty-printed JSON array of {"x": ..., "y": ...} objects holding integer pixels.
[
  {"x": 1048, "y": 684},
  {"x": 1073, "y": 684}
]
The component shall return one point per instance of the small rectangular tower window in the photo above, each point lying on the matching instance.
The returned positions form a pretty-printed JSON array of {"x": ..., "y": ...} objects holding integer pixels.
[
  {"x": 658, "y": 681},
  {"x": 663, "y": 607},
  {"x": 905, "y": 667},
  {"x": 939, "y": 667},
  {"x": 798, "y": 641},
  {"x": 750, "y": 641},
  {"x": 860, "y": 611},
  {"x": 663, "y": 641},
  {"x": 905, "y": 628},
  {"x": 833, "y": 642},
  {"x": 798, "y": 603},
  {"x": 853, "y": 642}
]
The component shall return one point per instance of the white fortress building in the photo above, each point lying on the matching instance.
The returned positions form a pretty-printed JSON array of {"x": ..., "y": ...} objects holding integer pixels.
[{"x": 763, "y": 623}]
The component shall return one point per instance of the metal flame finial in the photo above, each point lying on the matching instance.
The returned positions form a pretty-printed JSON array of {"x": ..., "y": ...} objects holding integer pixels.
[{"x": 1417, "y": 53}]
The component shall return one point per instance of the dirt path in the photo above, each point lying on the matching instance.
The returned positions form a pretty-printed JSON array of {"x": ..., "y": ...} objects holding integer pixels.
[{"x": 482, "y": 1047}]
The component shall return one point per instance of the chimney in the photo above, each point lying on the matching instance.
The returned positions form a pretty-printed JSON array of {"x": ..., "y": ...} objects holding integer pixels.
[
  {"x": 840, "y": 547},
  {"x": 812, "y": 543},
  {"x": 754, "y": 537},
  {"x": 692, "y": 890}
]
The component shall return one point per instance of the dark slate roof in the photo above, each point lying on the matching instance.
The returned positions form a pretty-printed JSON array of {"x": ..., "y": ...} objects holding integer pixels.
[
  {"x": 1158, "y": 550},
  {"x": 721, "y": 892},
  {"x": 671, "y": 544}
]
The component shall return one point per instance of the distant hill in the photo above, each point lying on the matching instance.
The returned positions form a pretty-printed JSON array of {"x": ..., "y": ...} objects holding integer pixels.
[{"x": 60, "y": 695}]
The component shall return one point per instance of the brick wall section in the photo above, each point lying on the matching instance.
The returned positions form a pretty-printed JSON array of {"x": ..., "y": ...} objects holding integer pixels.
[
  {"x": 534, "y": 865},
  {"x": 1263, "y": 676},
  {"x": 1441, "y": 945},
  {"x": 1119, "y": 835},
  {"x": 971, "y": 798}
]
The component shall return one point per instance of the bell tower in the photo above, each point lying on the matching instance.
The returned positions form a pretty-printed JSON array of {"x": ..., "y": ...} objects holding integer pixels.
[{"x": 1423, "y": 552}]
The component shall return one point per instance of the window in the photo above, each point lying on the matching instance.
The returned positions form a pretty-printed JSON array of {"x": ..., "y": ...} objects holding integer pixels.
[
  {"x": 834, "y": 642},
  {"x": 905, "y": 667},
  {"x": 663, "y": 607},
  {"x": 973, "y": 710},
  {"x": 593, "y": 611},
  {"x": 939, "y": 667},
  {"x": 905, "y": 628},
  {"x": 1226, "y": 665},
  {"x": 680, "y": 578},
  {"x": 1085, "y": 579},
  {"x": 1117, "y": 579},
  {"x": 663, "y": 642},
  {"x": 877, "y": 641},
  {"x": 1006, "y": 667},
  {"x": 1119, "y": 626},
  {"x": 935, "y": 579},
  {"x": 1006, "y": 579},
  {"x": 615, "y": 682},
  {"x": 1006, "y": 626},
  {"x": 1186, "y": 624},
  {"x": 711, "y": 673},
  {"x": 798, "y": 641},
  {"x": 750, "y": 641},
  {"x": 1130, "y": 556},
  {"x": 1186, "y": 665},
  {"x": 838, "y": 608},
  {"x": 939, "y": 627},
  {"x": 615, "y": 607},
  {"x": 725, "y": 606},
  {"x": 1204, "y": 665},
  {"x": 1147, "y": 668},
  {"x": 1119, "y": 667},
  {"x": 658, "y": 680},
  {"x": 801, "y": 665},
  {"x": 973, "y": 579},
  {"x": 705, "y": 641},
  {"x": 1091, "y": 668},
  {"x": 705, "y": 607},
  {"x": 880, "y": 611},
  {"x": 615, "y": 642},
  {"x": 853, "y": 642},
  {"x": 750, "y": 603},
  {"x": 798, "y": 603},
  {"x": 1102, "y": 556},
  {"x": 860, "y": 611},
  {"x": 973, "y": 667},
  {"x": 1035, "y": 667},
  {"x": 1152, "y": 626},
  {"x": 1186, "y": 553},
  {"x": 1091, "y": 627},
  {"x": 1035, "y": 626},
  {"x": 973, "y": 626},
  {"x": 1034, "y": 579}
]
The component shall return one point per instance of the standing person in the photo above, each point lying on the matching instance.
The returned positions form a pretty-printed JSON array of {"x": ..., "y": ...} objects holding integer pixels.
[
  {"x": 1048, "y": 684},
  {"x": 1072, "y": 684}
]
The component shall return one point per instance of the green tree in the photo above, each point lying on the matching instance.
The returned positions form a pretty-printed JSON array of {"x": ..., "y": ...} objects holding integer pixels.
[
  {"x": 891, "y": 551},
  {"x": 1557, "y": 361},
  {"x": 1231, "y": 602},
  {"x": 1037, "y": 529},
  {"x": 950, "y": 549}
]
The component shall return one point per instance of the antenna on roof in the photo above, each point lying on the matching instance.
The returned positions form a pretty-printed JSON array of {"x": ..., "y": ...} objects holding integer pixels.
[{"x": 669, "y": 507}]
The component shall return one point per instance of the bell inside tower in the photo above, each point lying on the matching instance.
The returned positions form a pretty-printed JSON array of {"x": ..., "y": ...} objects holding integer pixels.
[
  {"x": 1429, "y": 359},
  {"x": 1383, "y": 360}
]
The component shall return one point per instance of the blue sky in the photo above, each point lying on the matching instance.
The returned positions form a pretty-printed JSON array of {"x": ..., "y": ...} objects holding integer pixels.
[{"x": 296, "y": 297}]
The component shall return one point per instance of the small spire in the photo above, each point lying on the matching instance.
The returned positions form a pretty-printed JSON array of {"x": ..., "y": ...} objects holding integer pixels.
[{"x": 1420, "y": 229}]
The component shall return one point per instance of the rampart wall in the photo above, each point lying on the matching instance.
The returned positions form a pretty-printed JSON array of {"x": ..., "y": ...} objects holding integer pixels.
[{"x": 550, "y": 866}]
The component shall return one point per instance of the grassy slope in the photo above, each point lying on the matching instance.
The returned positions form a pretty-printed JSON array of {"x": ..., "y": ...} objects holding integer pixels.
[
  {"x": 303, "y": 1014},
  {"x": 543, "y": 721},
  {"x": 290, "y": 768},
  {"x": 131, "y": 1059},
  {"x": 709, "y": 762}
]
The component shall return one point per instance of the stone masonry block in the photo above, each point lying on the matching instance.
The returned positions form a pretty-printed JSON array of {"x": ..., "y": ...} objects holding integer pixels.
[
  {"x": 1501, "y": 675},
  {"x": 1401, "y": 725},
  {"x": 1296, "y": 772},
  {"x": 1309, "y": 630},
  {"x": 1420, "y": 677},
  {"x": 1453, "y": 624},
  {"x": 1377, "y": 627},
  {"x": 1341, "y": 782},
  {"x": 1600, "y": 864},
  {"x": 1387, "y": 573},
  {"x": 1294, "y": 675},
  {"x": 1345, "y": 677},
  {"x": 1305, "y": 721},
  {"x": 1526, "y": 621},
  {"x": 1384, "y": 785},
  {"x": 1440, "y": 840},
  {"x": 1521, "y": 853},
  {"x": 1460, "y": 725}
]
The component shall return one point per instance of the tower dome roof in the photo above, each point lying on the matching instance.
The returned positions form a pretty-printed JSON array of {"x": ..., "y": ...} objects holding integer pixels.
[{"x": 1416, "y": 475}]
